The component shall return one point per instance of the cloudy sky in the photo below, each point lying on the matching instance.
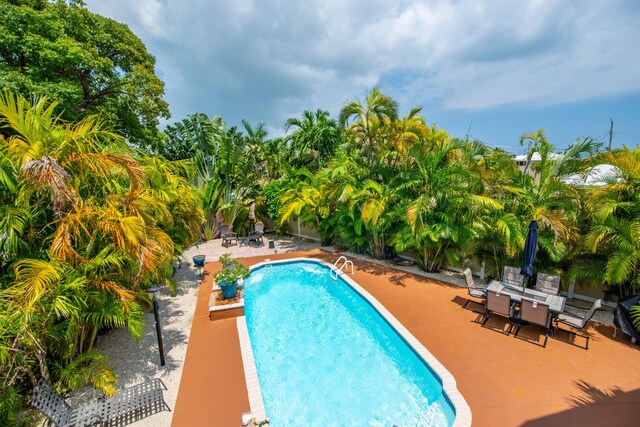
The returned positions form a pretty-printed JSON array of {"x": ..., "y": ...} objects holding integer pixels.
[{"x": 498, "y": 68}]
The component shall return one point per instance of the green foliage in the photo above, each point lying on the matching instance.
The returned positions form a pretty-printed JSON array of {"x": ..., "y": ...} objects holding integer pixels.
[
  {"x": 89, "y": 223},
  {"x": 305, "y": 197},
  {"x": 87, "y": 62},
  {"x": 231, "y": 272},
  {"x": 195, "y": 135},
  {"x": 635, "y": 312},
  {"x": 314, "y": 140},
  {"x": 233, "y": 168},
  {"x": 88, "y": 368},
  {"x": 367, "y": 123},
  {"x": 12, "y": 408},
  {"x": 272, "y": 192},
  {"x": 612, "y": 245}
]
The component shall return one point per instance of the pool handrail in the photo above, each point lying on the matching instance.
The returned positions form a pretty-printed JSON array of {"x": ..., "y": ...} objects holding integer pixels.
[{"x": 335, "y": 268}]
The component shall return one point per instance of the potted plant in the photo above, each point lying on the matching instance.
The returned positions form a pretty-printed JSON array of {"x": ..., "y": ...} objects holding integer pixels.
[
  {"x": 228, "y": 277},
  {"x": 227, "y": 261}
]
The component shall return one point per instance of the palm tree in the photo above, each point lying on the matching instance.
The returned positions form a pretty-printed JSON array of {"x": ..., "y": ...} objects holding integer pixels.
[
  {"x": 534, "y": 140},
  {"x": 305, "y": 199},
  {"x": 379, "y": 208},
  {"x": 367, "y": 123},
  {"x": 254, "y": 141},
  {"x": 614, "y": 237},
  {"x": 316, "y": 136},
  {"x": 439, "y": 218},
  {"x": 90, "y": 227},
  {"x": 503, "y": 230},
  {"x": 274, "y": 158},
  {"x": 548, "y": 198}
]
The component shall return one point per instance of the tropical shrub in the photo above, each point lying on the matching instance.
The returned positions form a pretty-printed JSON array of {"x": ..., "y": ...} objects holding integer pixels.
[
  {"x": 88, "y": 225},
  {"x": 614, "y": 236}
]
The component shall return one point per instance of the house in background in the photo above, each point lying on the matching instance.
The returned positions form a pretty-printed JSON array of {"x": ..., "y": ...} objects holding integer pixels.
[
  {"x": 521, "y": 160},
  {"x": 597, "y": 176}
]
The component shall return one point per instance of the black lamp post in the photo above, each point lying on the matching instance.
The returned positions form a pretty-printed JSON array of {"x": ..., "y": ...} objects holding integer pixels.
[{"x": 154, "y": 291}]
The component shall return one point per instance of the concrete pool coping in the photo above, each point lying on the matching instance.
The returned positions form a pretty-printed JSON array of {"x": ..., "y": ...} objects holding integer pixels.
[
  {"x": 450, "y": 390},
  {"x": 506, "y": 381}
]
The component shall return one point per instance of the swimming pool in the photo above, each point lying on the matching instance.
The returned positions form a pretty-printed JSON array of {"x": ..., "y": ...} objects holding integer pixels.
[{"x": 325, "y": 356}]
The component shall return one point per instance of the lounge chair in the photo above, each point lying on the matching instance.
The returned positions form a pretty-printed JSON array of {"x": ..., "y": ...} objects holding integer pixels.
[
  {"x": 548, "y": 284},
  {"x": 475, "y": 291},
  {"x": 227, "y": 235},
  {"x": 499, "y": 304},
  {"x": 534, "y": 312},
  {"x": 577, "y": 322},
  {"x": 126, "y": 407},
  {"x": 255, "y": 236},
  {"x": 512, "y": 276}
]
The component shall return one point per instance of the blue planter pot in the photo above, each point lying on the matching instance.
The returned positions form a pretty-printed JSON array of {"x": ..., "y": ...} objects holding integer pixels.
[
  {"x": 228, "y": 291},
  {"x": 198, "y": 261}
]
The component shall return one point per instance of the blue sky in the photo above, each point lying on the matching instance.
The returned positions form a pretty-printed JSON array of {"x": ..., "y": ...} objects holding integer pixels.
[{"x": 502, "y": 67}]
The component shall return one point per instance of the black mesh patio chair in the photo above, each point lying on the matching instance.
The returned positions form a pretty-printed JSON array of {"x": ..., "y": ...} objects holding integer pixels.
[
  {"x": 577, "y": 322},
  {"x": 534, "y": 313},
  {"x": 548, "y": 284},
  {"x": 475, "y": 291},
  {"x": 126, "y": 407},
  {"x": 499, "y": 304}
]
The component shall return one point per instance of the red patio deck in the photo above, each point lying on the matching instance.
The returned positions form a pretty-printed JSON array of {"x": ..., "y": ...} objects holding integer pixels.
[{"x": 506, "y": 381}]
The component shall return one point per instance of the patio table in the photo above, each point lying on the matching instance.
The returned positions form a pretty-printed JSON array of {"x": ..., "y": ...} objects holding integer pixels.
[{"x": 555, "y": 302}]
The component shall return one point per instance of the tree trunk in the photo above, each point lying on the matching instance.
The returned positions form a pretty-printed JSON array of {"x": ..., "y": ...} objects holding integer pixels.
[{"x": 92, "y": 338}]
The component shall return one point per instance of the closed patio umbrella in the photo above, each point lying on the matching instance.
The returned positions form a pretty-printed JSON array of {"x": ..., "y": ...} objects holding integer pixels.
[{"x": 530, "y": 246}]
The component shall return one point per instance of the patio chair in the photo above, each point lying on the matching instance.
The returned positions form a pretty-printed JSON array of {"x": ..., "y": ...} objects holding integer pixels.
[
  {"x": 227, "y": 235},
  {"x": 534, "y": 312},
  {"x": 548, "y": 284},
  {"x": 126, "y": 407},
  {"x": 512, "y": 276},
  {"x": 499, "y": 304},
  {"x": 255, "y": 236},
  {"x": 475, "y": 291},
  {"x": 577, "y": 322}
]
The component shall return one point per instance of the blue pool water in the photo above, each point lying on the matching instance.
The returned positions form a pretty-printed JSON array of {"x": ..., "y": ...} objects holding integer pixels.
[{"x": 325, "y": 356}]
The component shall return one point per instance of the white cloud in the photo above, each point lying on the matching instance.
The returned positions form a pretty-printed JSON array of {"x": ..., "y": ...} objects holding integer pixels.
[{"x": 269, "y": 59}]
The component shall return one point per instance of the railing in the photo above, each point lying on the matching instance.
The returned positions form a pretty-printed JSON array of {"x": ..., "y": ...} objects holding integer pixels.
[{"x": 345, "y": 264}]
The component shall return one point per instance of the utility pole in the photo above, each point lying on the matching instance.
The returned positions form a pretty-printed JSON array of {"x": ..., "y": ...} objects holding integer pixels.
[{"x": 610, "y": 133}]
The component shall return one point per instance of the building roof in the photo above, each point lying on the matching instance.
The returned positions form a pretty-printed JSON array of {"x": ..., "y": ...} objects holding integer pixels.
[
  {"x": 596, "y": 176},
  {"x": 536, "y": 157}
]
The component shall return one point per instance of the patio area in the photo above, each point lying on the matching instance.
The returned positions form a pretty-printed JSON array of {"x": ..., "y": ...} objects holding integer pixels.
[{"x": 506, "y": 381}]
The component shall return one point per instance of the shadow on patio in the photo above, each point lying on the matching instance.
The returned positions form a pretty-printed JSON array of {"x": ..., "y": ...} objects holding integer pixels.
[{"x": 594, "y": 407}]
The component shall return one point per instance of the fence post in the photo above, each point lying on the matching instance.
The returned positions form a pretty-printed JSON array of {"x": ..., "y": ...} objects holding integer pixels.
[{"x": 572, "y": 286}]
